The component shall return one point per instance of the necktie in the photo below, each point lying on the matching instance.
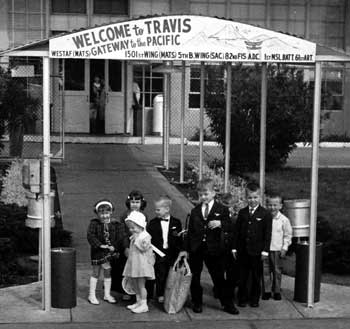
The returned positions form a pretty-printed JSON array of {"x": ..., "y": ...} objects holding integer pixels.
[
  {"x": 251, "y": 211},
  {"x": 206, "y": 211}
]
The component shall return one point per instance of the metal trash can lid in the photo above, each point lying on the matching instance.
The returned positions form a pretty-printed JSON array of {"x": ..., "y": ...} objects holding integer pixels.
[
  {"x": 63, "y": 250},
  {"x": 297, "y": 203}
]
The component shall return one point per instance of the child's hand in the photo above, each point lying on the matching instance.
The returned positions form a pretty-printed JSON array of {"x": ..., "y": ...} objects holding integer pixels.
[
  {"x": 234, "y": 254},
  {"x": 283, "y": 253},
  {"x": 214, "y": 224},
  {"x": 103, "y": 246},
  {"x": 126, "y": 252},
  {"x": 111, "y": 248}
]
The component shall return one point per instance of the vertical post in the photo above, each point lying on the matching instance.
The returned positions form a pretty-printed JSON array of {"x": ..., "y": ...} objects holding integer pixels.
[
  {"x": 314, "y": 186},
  {"x": 201, "y": 121},
  {"x": 168, "y": 109},
  {"x": 182, "y": 122},
  {"x": 228, "y": 126},
  {"x": 142, "y": 93},
  {"x": 263, "y": 129},
  {"x": 46, "y": 185},
  {"x": 165, "y": 121}
]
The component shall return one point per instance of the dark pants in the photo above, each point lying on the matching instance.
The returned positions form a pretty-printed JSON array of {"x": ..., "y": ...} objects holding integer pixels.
[
  {"x": 215, "y": 265},
  {"x": 118, "y": 265},
  {"x": 161, "y": 269},
  {"x": 249, "y": 266},
  {"x": 231, "y": 272}
]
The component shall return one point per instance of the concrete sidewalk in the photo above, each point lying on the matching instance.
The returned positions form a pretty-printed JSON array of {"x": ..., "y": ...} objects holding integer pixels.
[{"x": 91, "y": 172}]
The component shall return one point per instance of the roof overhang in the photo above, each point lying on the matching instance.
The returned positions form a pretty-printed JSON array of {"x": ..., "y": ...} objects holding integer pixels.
[{"x": 181, "y": 37}]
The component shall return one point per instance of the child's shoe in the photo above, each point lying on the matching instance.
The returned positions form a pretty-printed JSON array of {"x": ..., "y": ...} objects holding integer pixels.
[
  {"x": 266, "y": 296},
  {"x": 161, "y": 299},
  {"x": 133, "y": 306},
  {"x": 141, "y": 308},
  {"x": 277, "y": 296},
  {"x": 92, "y": 292}
]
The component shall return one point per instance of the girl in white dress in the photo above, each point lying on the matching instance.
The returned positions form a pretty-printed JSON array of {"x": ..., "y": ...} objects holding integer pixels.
[{"x": 140, "y": 264}]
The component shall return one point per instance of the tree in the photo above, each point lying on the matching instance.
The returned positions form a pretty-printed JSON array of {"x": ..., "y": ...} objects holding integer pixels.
[
  {"x": 17, "y": 110},
  {"x": 289, "y": 113}
]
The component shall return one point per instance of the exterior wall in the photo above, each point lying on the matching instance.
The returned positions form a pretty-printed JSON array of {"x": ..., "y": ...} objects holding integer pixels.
[
  {"x": 4, "y": 23},
  {"x": 323, "y": 21}
]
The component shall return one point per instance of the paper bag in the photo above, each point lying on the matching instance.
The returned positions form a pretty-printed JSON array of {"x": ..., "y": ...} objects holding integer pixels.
[{"x": 177, "y": 287}]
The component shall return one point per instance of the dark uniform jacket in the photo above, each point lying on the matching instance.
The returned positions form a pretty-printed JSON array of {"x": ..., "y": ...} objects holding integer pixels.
[
  {"x": 253, "y": 232},
  {"x": 199, "y": 232},
  {"x": 154, "y": 228}
]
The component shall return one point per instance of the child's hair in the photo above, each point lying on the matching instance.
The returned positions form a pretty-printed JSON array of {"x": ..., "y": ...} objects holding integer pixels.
[
  {"x": 206, "y": 184},
  {"x": 103, "y": 202},
  {"x": 227, "y": 200},
  {"x": 136, "y": 195},
  {"x": 252, "y": 187},
  {"x": 275, "y": 195},
  {"x": 165, "y": 199}
]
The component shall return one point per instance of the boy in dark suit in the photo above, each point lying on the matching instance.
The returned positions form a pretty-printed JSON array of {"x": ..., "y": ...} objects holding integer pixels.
[
  {"x": 164, "y": 230},
  {"x": 251, "y": 244},
  {"x": 203, "y": 244}
]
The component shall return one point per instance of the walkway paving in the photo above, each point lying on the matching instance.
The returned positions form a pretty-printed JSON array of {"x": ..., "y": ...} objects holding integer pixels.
[{"x": 91, "y": 172}]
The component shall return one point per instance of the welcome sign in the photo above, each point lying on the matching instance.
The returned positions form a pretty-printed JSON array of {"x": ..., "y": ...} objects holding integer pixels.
[{"x": 183, "y": 37}]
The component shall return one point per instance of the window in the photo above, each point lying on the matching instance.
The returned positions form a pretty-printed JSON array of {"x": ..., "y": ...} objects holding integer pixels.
[
  {"x": 74, "y": 74},
  {"x": 68, "y": 6},
  {"x": 332, "y": 85},
  {"x": 111, "y": 7},
  {"x": 153, "y": 82},
  {"x": 195, "y": 83}
]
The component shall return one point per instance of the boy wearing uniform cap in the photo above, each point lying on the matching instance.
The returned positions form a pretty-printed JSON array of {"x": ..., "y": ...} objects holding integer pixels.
[{"x": 107, "y": 239}]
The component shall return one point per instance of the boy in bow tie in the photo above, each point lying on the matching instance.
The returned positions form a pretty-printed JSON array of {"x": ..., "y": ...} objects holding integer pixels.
[
  {"x": 251, "y": 245},
  {"x": 164, "y": 230}
]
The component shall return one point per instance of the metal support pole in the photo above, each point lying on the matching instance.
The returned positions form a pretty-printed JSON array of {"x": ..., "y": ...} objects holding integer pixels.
[
  {"x": 167, "y": 118},
  {"x": 201, "y": 120},
  {"x": 165, "y": 122},
  {"x": 228, "y": 126},
  {"x": 314, "y": 186},
  {"x": 182, "y": 122},
  {"x": 263, "y": 129},
  {"x": 143, "y": 125},
  {"x": 46, "y": 186}
]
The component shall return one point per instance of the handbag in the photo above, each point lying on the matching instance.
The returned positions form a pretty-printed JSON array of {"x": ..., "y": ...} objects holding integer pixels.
[{"x": 177, "y": 286}]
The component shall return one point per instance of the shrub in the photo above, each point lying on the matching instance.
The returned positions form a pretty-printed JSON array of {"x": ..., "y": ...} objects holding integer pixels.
[
  {"x": 336, "y": 252},
  {"x": 289, "y": 113},
  {"x": 12, "y": 188}
]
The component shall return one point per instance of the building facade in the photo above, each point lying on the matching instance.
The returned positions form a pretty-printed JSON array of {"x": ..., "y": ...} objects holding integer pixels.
[{"x": 105, "y": 96}]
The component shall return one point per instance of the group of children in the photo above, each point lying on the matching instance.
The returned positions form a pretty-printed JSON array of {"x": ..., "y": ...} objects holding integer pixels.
[{"x": 243, "y": 250}]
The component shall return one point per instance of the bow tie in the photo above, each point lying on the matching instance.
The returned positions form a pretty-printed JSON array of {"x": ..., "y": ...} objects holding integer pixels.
[{"x": 164, "y": 219}]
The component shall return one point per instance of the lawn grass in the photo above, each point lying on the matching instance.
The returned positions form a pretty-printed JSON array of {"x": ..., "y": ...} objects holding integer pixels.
[{"x": 333, "y": 201}]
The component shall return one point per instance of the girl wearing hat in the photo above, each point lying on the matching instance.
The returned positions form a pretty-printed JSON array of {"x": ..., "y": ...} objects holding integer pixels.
[
  {"x": 139, "y": 266},
  {"x": 107, "y": 239},
  {"x": 134, "y": 201}
]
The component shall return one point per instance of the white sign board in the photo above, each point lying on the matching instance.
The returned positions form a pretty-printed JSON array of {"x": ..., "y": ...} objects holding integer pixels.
[{"x": 183, "y": 37}]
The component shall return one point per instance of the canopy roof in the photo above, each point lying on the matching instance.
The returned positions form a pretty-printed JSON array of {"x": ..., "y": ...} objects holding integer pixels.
[{"x": 180, "y": 37}]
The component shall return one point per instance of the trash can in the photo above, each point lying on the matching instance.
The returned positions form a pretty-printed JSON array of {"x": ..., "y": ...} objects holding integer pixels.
[
  {"x": 298, "y": 212},
  {"x": 158, "y": 115},
  {"x": 301, "y": 272},
  {"x": 63, "y": 278}
]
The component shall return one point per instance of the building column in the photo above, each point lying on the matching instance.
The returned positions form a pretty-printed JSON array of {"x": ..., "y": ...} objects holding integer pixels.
[{"x": 346, "y": 104}]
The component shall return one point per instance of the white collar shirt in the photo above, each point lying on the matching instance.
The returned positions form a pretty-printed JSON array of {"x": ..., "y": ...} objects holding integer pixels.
[
  {"x": 165, "y": 231},
  {"x": 281, "y": 236},
  {"x": 252, "y": 210},
  {"x": 210, "y": 204}
]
